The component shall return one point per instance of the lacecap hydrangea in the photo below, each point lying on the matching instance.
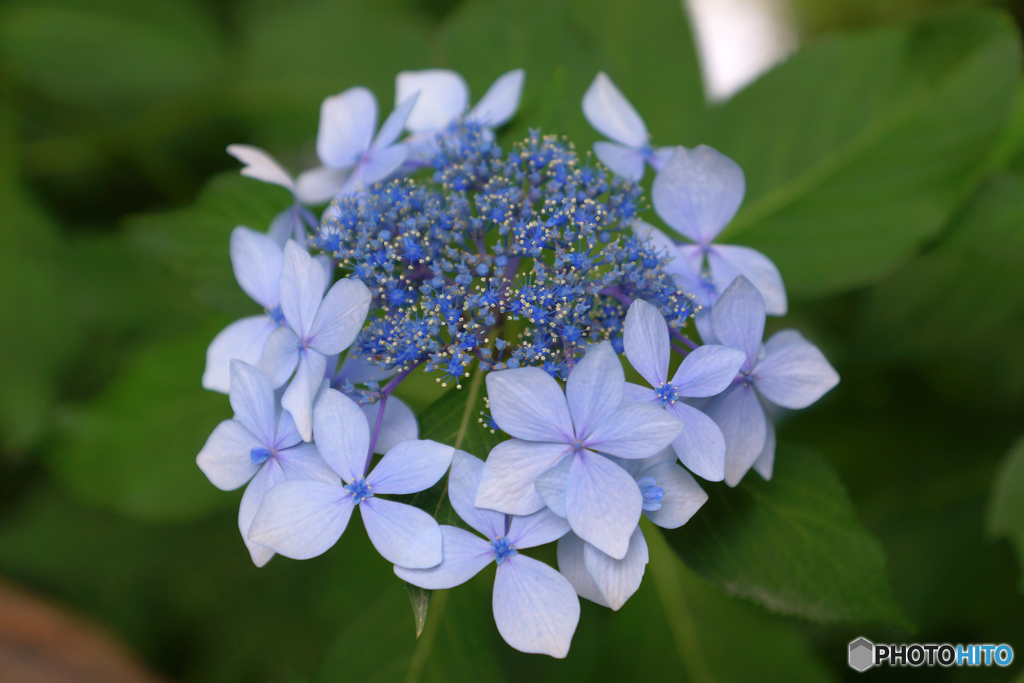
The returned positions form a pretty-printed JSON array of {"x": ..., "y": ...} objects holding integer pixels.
[{"x": 442, "y": 251}]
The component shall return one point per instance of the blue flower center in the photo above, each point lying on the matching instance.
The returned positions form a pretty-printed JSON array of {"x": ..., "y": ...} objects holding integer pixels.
[
  {"x": 502, "y": 549},
  {"x": 666, "y": 394},
  {"x": 577, "y": 446},
  {"x": 652, "y": 493},
  {"x": 259, "y": 455},
  {"x": 277, "y": 315},
  {"x": 745, "y": 377},
  {"x": 360, "y": 490}
]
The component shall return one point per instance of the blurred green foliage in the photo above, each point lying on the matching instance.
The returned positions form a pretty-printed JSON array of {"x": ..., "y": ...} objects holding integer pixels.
[{"x": 885, "y": 169}]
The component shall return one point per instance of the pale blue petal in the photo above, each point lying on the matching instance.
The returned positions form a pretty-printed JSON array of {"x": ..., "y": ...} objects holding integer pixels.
[
  {"x": 261, "y": 166},
  {"x": 500, "y": 102},
  {"x": 340, "y": 317},
  {"x": 285, "y": 226},
  {"x": 256, "y": 260},
  {"x": 342, "y": 436},
  {"x": 571, "y": 566},
  {"x": 527, "y": 403},
  {"x": 708, "y": 371},
  {"x": 347, "y": 122},
  {"x": 320, "y": 184},
  {"x": 551, "y": 485},
  {"x": 269, "y": 476},
  {"x": 252, "y": 399},
  {"x": 634, "y": 393},
  {"x": 327, "y": 263},
  {"x": 625, "y": 162},
  {"x": 298, "y": 397},
  {"x": 301, "y": 519},
  {"x": 540, "y": 528},
  {"x": 225, "y": 459},
  {"x": 394, "y": 123},
  {"x": 376, "y": 166},
  {"x": 795, "y": 375},
  {"x": 738, "y": 413},
  {"x": 683, "y": 495},
  {"x": 243, "y": 339},
  {"x": 660, "y": 157},
  {"x": 697, "y": 192},
  {"x": 634, "y": 467},
  {"x": 410, "y": 467},
  {"x": 443, "y": 96},
  {"x": 702, "y": 321},
  {"x": 535, "y": 608},
  {"x": 635, "y": 430},
  {"x": 287, "y": 434},
  {"x": 646, "y": 342},
  {"x": 738, "y": 318},
  {"x": 360, "y": 371},
  {"x": 280, "y": 356},
  {"x": 302, "y": 288},
  {"x": 728, "y": 261},
  {"x": 399, "y": 424},
  {"x": 512, "y": 468},
  {"x": 305, "y": 462},
  {"x": 617, "y": 580},
  {"x": 402, "y": 534},
  {"x": 463, "y": 483},
  {"x": 603, "y": 503},
  {"x": 765, "y": 463},
  {"x": 611, "y": 114},
  {"x": 594, "y": 389},
  {"x": 700, "y": 446},
  {"x": 782, "y": 338},
  {"x": 464, "y": 555}
]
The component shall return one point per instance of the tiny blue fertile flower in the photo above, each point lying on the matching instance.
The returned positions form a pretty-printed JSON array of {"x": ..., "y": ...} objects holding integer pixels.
[
  {"x": 787, "y": 370},
  {"x": 697, "y": 193},
  {"x": 567, "y": 434},
  {"x": 260, "y": 446},
  {"x": 611, "y": 114},
  {"x": 706, "y": 371},
  {"x": 535, "y": 607},
  {"x": 318, "y": 326},
  {"x": 303, "y": 519}
]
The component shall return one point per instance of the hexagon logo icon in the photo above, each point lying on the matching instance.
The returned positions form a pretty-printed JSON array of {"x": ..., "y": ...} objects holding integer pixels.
[{"x": 862, "y": 654}]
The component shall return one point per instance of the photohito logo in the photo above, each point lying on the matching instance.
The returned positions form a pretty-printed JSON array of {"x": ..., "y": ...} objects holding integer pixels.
[{"x": 864, "y": 654}]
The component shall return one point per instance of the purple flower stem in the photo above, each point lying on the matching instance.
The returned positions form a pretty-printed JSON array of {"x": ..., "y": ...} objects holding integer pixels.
[
  {"x": 680, "y": 350},
  {"x": 384, "y": 393},
  {"x": 618, "y": 294},
  {"x": 683, "y": 338}
]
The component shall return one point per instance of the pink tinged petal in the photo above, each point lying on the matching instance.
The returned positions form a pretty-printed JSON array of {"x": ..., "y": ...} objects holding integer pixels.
[
  {"x": 301, "y": 519},
  {"x": 376, "y": 166},
  {"x": 634, "y": 431},
  {"x": 611, "y": 114},
  {"x": 443, "y": 96},
  {"x": 617, "y": 580},
  {"x": 261, "y": 166},
  {"x": 225, "y": 458},
  {"x": 320, "y": 184},
  {"x": 551, "y": 485},
  {"x": 765, "y": 463},
  {"x": 342, "y": 436},
  {"x": 708, "y": 371},
  {"x": 572, "y": 567},
  {"x": 302, "y": 289},
  {"x": 340, "y": 317},
  {"x": 402, "y": 534},
  {"x": 635, "y": 393},
  {"x": 500, "y": 102},
  {"x": 738, "y": 318},
  {"x": 512, "y": 468},
  {"x": 795, "y": 375},
  {"x": 252, "y": 399},
  {"x": 535, "y": 608},
  {"x": 243, "y": 340},
  {"x": 256, "y": 260},
  {"x": 395, "y": 122},
  {"x": 603, "y": 503},
  {"x": 399, "y": 424},
  {"x": 728, "y": 262},
  {"x": 698, "y": 192},
  {"x": 287, "y": 434},
  {"x": 626, "y": 162},
  {"x": 738, "y": 413},
  {"x": 305, "y": 462},
  {"x": 463, "y": 483},
  {"x": 528, "y": 404},
  {"x": 464, "y": 555},
  {"x": 540, "y": 528},
  {"x": 298, "y": 397},
  {"x": 645, "y": 339},
  {"x": 280, "y": 356},
  {"x": 410, "y": 467},
  {"x": 347, "y": 122},
  {"x": 269, "y": 476},
  {"x": 683, "y": 495},
  {"x": 594, "y": 389},
  {"x": 700, "y": 446}
]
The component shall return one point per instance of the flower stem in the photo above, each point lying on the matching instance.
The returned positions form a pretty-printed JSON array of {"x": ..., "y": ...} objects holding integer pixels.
[
  {"x": 384, "y": 393},
  {"x": 683, "y": 338}
]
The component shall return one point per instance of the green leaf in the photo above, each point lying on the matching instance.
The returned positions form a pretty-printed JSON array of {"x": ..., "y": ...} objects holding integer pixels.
[
  {"x": 792, "y": 544},
  {"x": 858, "y": 148},
  {"x": 1006, "y": 509},
  {"x": 193, "y": 242},
  {"x": 132, "y": 449},
  {"x": 963, "y": 301},
  {"x": 109, "y": 54}
]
